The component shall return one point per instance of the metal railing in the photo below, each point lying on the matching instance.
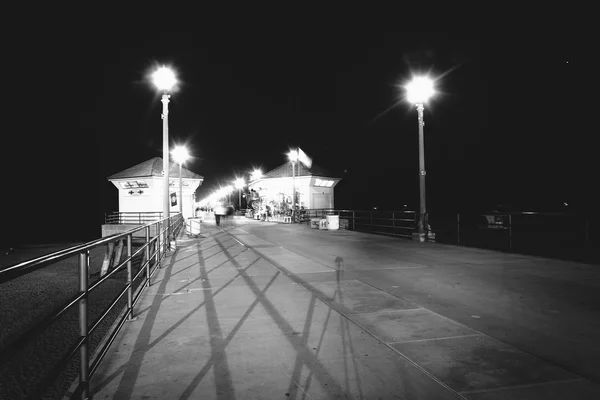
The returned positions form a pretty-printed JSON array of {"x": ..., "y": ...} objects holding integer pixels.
[
  {"x": 153, "y": 249},
  {"x": 564, "y": 235},
  {"x": 396, "y": 223},
  {"x": 139, "y": 218}
]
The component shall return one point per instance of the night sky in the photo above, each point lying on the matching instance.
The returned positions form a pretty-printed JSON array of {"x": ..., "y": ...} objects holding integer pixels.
[{"x": 512, "y": 123}]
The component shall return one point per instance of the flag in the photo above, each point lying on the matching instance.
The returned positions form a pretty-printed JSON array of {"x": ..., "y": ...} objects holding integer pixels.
[{"x": 304, "y": 159}]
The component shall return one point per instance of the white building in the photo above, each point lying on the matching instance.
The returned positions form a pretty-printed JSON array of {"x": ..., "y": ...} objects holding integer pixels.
[
  {"x": 141, "y": 188},
  {"x": 314, "y": 186}
]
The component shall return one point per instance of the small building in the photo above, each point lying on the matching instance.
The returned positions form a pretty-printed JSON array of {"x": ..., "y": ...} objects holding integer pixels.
[
  {"x": 141, "y": 188},
  {"x": 314, "y": 186}
]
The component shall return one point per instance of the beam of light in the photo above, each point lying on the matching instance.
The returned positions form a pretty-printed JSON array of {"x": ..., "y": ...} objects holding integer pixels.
[{"x": 390, "y": 108}]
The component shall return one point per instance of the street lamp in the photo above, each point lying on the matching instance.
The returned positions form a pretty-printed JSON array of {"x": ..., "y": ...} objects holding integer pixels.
[
  {"x": 180, "y": 154},
  {"x": 239, "y": 184},
  {"x": 293, "y": 156},
  {"x": 164, "y": 80},
  {"x": 418, "y": 92},
  {"x": 255, "y": 175}
]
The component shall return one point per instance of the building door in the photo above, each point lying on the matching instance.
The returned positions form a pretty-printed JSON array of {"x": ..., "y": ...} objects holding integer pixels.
[{"x": 321, "y": 200}]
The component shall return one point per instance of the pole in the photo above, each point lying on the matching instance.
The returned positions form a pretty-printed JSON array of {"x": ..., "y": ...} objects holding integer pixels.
[
  {"x": 180, "y": 192},
  {"x": 422, "y": 223},
  {"x": 293, "y": 192},
  {"x": 240, "y": 198},
  {"x": 165, "y": 118},
  {"x": 84, "y": 378}
]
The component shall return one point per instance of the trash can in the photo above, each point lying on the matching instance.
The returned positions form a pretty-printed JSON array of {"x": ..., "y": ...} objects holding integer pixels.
[
  {"x": 323, "y": 223},
  {"x": 193, "y": 226},
  {"x": 333, "y": 222},
  {"x": 314, "y": 223}
]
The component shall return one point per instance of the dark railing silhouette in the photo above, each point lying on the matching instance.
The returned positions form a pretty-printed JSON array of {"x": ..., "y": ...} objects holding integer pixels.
[
  {"x": 151, "y": 251},
  {"x": 561, "y": 235}
]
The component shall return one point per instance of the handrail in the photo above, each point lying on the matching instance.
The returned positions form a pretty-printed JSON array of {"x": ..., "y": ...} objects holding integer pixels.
[
  {"x": 387, "y": 222},
  {"x": 130, "y": 217},
  {"x": 164, "y": 229}
]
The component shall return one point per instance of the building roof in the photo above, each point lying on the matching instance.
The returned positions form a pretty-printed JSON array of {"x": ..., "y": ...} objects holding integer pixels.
[
  {"x": 285, "y": 171},
  {"x": 154, "y": 167}
]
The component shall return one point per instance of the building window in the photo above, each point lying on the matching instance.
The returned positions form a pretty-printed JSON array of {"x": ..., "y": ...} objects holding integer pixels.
[
  {"x": 323, "y": 183},
  {"x": 133, "y": 184}
]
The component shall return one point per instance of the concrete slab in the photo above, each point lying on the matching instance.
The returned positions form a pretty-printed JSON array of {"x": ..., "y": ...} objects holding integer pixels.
[
  {"x": 571, "y": 389},
  {"x": 292, "y": 262},
  {"x": 226, "y": 309},
  {"x": 354, "y": 297},
  {"x": 479, "y": 362},
  {"x": 266, "y": 338},
  {"x": 411, "y": 325}
]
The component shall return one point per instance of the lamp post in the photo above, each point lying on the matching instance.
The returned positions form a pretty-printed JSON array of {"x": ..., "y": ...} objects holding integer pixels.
[
  {"x": 164, "y": 80},
  {"x": 239, "y": 184},
  {"x": 254, "y": 176},
  {"x": 180, "y": 154},
  {"x": 293, "y": 156},
  {"x": 418, "y": 92}
]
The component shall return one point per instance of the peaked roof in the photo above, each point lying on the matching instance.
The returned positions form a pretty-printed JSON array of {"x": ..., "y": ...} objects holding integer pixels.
[
  {"x": 154, "y": 167},
  {"x": 285, "y": 171}
]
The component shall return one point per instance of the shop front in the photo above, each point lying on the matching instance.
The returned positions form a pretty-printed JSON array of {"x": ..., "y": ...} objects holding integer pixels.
[{"x": 271, "y": 195}]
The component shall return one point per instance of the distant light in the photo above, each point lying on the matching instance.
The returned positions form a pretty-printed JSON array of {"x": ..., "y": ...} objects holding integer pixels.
[
  {"x": 239, "y": 183},
  {"x": 256, "y": 174},
  {"x": 180, "y": 154},
  {"x": 566, "y": 204},
  {"x": 419, "y": 90},
  {"x": 164, "y": 78},
  {"x": 293, "y": 155}
]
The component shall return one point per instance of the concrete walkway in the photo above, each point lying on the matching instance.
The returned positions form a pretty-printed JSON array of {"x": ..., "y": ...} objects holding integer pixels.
[{"x": 254, "y": 310}]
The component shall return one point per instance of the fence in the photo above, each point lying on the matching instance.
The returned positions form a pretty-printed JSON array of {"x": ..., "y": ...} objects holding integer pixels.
[
  {"x": 138, "y": 218},
  {"x": 396, "y": 223},
  {"x": 152, "y": 251},
  {"x": 562, "y": 235}
]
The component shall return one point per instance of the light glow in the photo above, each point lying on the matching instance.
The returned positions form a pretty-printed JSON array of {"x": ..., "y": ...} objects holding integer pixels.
[
  {"x": 180, "y": 154},
  {"x": 419, "y": 90},
  {"x": 239, "y": 183},
  {"x": 293, "y": 155},
  {"x": 256, "y": 174},
  {"x": 164, "y": 79}
]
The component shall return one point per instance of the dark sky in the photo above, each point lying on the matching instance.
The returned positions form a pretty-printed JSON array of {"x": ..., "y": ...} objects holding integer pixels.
[{"x": 511, "y": 123}]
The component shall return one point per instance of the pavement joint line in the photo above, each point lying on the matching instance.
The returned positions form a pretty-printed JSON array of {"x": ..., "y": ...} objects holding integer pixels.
[
  {"x": 485, "y": 335},
  {"x": 527, "y": 385},
  {"x": 292, "y": 276},
  {"x": 310, "y": 258},
  {"x": 478, "y": 332},
  {"x": 242, "y": 244},
  {"x": 389, "y": 311},
  {"x": 439, "y": 338},
  {"x": 379, "y": 269}
]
